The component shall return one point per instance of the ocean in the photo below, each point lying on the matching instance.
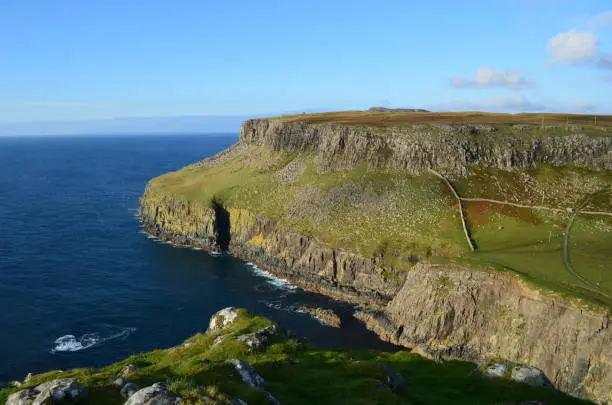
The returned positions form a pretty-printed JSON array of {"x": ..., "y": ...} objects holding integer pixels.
[{"x": 82, "y": 286}]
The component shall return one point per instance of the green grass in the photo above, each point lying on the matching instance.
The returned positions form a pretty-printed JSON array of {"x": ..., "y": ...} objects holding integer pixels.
[{"x": 300, "y": 374}]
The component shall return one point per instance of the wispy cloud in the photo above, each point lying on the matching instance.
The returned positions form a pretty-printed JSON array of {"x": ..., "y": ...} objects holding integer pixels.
[
  {"x": 487, "y": 77},
  {"x": 605, "y": 62},
  {"x": 601, "y": 20},
  {"x": 572, "y": 47},
  {"x": 51, "y": 103},
  {"x": 513, "y": 103}
]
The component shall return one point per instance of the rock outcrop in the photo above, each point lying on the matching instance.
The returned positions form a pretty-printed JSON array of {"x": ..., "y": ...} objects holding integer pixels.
[
  {"x": 465, "y": 314},
  {"x": 418, "y": 148}
]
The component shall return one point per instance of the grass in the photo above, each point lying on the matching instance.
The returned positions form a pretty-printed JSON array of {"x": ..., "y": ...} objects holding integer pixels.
[
  {"x": 388, "y": 119},
  {"x": 400, "y": 218},
  {"x": 299, "y": 374}
]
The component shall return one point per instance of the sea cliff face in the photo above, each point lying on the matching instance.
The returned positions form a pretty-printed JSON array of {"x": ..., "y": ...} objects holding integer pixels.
[
  {"x": 461, "y": 313},
  {"x": 418, "y": 148},
  {"x": 300, "y": 259},
  {"x": 457, "y": 312}
]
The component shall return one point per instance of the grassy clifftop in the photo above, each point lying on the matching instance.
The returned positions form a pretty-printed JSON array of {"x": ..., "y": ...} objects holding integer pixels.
[
  {"x": 294, "y": 373},
  {"x": 398, "y": 216}
]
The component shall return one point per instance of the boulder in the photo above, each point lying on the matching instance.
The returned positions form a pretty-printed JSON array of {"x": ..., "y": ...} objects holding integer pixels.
[
  {"x": 222, "y": 319},
  {"x": 259, "y": 339},
  {"x": 64, "y": 388},
  {"x": 395, "y": 381},
  {"x": 157, "y": 394},
  {"x": 530, "y": 375},
  {"x": 326, "y": 316},
  {"x": 127, "y": 370},
  {"x": 497, "y": 370},
  {"x": 50, "y": 392},
  {"x": 28, "y": 378},
  {"x": 120, "y": 382},
  {"x": 128, "y": 390},
  {"x": 248, "y": 374},
  {"x": 23, "y": 397}
]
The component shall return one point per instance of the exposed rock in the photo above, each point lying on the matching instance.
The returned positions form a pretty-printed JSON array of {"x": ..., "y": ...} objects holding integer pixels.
[
  {"x": 219, "y": 339},
  {"x": 28, "y": 378},
  {"x": 395, "y": 381},
  {"x": 16, "y": 384},
  {"x": 417, "y": 148},
  {"x": 188, "y": 344},
  {"x": 530, "y": 375},
  {"x": 327, "y": 316},
  {"x": 157, "y": 394},
  {"x": 259, "y": 339},
  {"x": 427, "y": 352},
  {"x": 248, "y": 374},
  {"x": 129, "y": 389},
  {"x": 127, "y": 370},
  {"x": 65, "y": 388},
  {"x": 47, "y": 393},
  {"x": 23, "y": 397},
  {"x": 482, "y": 315},
  {"x": 497, "y": 370},
  {"x": 237, "y": 401},
  {"x": 120, "y": 382},
  {"x": 222, "y": 319}
]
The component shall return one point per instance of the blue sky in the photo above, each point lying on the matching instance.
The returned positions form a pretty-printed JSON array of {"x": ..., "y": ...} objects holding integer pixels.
[{"x": 79, "y": 60}]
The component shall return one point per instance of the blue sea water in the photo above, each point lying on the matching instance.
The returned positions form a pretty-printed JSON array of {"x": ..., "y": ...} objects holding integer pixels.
[{"x": 82, "y": 286}]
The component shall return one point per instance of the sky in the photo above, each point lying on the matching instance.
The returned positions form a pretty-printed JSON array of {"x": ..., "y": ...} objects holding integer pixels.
[{"x": 66, "y": 60}]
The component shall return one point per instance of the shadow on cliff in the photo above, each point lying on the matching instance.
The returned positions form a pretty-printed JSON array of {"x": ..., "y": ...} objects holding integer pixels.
[{"x": 221, "y": 225}]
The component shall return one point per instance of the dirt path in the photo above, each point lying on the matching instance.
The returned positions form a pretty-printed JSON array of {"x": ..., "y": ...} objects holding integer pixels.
[{"x": 537, "y": 207}]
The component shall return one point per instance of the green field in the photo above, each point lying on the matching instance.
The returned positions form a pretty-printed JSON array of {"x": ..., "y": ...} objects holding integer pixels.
[{"x": 299, "y": 374}]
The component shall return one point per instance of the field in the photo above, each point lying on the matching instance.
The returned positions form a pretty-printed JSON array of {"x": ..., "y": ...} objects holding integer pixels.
[
  {"x": 387, "y": 119},
  {"x": 401, "y": 218},
  {"x": 299, "y": 374}
]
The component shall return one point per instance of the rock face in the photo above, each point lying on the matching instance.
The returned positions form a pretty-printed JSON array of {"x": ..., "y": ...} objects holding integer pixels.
[
  {"x": 467, "y": 314},
  {"x": 418, "y": 148},
  {"x": 259, "y": 339},
  {"x": 300, "y": 259}
]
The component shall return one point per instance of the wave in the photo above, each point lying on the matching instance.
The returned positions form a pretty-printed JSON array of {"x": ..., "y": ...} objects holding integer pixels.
[
  {"x": 71, "y": 343},
  {"x": 271, "y": 279}
]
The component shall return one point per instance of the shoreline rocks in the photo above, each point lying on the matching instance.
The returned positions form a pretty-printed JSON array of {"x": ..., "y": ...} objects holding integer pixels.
[{"x": 326, "y": 316}]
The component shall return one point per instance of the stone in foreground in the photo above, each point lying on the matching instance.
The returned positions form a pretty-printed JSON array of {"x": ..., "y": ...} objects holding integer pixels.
[{"x": 222, "y": 319}]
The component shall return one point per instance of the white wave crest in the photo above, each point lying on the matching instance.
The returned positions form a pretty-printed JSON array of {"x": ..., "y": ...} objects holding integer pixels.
[
  {"x": 277, "y": 282},
  {"x": 71, "y": 343}
]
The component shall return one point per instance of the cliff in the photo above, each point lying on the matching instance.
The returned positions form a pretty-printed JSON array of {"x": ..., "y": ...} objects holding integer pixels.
[
  {"x": 461, "y": 313},
  {"x": 351, "y": 211},
  {"x": 417, "y": 148}
]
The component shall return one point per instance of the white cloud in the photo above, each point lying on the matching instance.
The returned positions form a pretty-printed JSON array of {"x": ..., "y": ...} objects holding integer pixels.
[
  {"x": 513, "y": 103},
  {"x": 487, "y": 77},
  {"x": 601, "y": 20},
  {"x": 572, "y": 47}
]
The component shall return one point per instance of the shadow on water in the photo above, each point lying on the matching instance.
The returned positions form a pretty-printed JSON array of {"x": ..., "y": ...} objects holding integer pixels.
[{"x": 221, "y": 225}]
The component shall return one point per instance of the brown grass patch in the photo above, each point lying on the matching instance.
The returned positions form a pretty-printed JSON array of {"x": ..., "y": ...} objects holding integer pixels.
[{"x": 478, "y": 213}]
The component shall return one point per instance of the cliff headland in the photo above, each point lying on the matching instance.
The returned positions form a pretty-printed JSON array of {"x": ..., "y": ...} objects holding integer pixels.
[{"x": 463, "y": 235}]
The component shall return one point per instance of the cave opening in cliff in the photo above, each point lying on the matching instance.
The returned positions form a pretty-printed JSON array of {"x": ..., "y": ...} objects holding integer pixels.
[{"x": 221, "y": 225}]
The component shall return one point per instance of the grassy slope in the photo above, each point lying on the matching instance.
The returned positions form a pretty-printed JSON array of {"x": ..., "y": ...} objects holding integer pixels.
[
  {"x": 396, "y": 215},
  {"x": 313, "y": 376}
]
